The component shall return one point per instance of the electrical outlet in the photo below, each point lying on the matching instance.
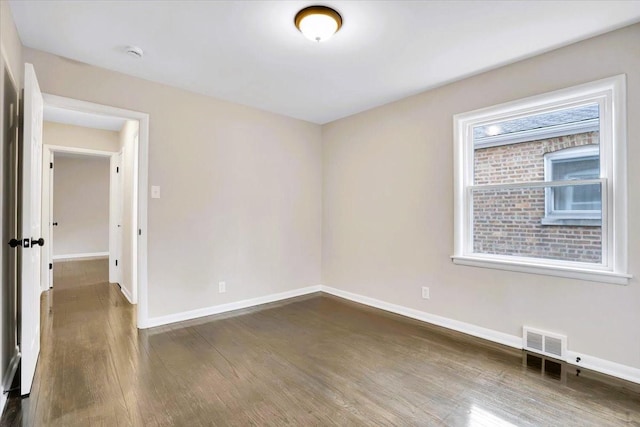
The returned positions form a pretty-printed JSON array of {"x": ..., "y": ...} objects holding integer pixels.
[
  {"x": 222, "y": 287},
  {"x": 425, "y": 292}
]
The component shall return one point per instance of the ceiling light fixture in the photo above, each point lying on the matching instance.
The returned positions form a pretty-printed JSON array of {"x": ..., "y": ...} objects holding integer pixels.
[{"x": 318, "y": 23}]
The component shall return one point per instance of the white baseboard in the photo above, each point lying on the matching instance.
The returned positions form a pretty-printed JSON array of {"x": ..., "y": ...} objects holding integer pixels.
[
  {"x": 8, "y": 377},
  {"x": 87, "y": 255},
  {"x": 223, "y": 308},
  {"x": 126, "y": 293},
  {"x": 604, "y": 366},
  {"x": 3, "y": 401},
  {"x": 456, "y": 325}
]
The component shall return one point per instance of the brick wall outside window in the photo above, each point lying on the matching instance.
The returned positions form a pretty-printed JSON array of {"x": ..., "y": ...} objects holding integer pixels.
[{"x": 508, "y": 221}]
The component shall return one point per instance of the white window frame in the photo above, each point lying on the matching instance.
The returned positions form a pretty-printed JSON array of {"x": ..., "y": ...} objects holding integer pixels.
[
  {"x": 610, "y": 95},
  {"x": 561, "y": 216}
]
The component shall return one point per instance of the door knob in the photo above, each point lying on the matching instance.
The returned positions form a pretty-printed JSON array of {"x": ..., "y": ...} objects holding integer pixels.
[
  {"x": 40, "y": 242},
  {"x": 15, "y": 243}
]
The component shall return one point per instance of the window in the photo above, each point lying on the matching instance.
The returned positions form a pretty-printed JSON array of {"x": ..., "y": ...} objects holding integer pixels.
[
  {"x": 576, "y": 205},
  {"x": 541, "y": 184}
]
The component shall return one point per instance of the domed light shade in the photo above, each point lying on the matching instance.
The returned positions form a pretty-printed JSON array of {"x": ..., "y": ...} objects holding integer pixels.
[{"x": 318, "y": 23}]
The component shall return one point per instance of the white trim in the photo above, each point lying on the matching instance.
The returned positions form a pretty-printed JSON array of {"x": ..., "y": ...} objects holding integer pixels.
[
  {"x": 601, "y": 276},
  {"x": 134, "y": 222},
  {"x": 86, "y": 255},
  {"x": 223, "y": 308},
  {"x": 445, "y": 322},
  {"x": 618, "y": 232},
  {"x": 46, "y": 226},
  {"x": 537, "y": 184},
  {"x": 15, "y": 359},
  {"x": 7, "y": 66},
  {"x": 614, "y": 369},
  {"x": 80, "y": 150},
  {"x": 609, "y": 93},
  {"x": 126, "y": 294},
  {"x": 143, "y": 194},
  {"x": 3, "y": 401},
  {"x": 143, "y": 172}
]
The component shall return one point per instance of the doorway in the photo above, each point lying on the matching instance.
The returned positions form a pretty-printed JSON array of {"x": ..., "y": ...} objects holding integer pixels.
[
  {"x": 82, "y": 202},
  {"x": 31, "y": 257},
  {"x": 128, "y": 166}
]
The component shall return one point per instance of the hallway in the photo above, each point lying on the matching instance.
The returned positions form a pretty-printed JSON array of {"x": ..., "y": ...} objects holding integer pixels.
[
  {"x": 88, "y": 329},
  {"x": 314, "y": 360}
]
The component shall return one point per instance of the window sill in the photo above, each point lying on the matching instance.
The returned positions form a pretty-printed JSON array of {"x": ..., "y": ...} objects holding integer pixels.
[
  {"x": 546, "y": 270},
  {"x": 583, "y": 222}
]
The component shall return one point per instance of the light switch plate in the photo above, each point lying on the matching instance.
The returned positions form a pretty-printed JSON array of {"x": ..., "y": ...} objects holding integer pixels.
[{"x": 155, "y": 191}]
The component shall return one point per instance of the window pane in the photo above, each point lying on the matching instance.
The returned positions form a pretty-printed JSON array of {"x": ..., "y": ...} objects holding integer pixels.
[
  {"x": 510, "y": 222},
  {"x": 513, "y": 150},
  {"x": 577, "y": 198},
  {"x": 579, "y": 168}
]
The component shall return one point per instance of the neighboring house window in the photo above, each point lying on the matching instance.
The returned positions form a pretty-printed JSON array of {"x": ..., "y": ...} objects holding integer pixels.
[
  {"x": 540, "y": 184},
  {"x": 573, "y": 205}
]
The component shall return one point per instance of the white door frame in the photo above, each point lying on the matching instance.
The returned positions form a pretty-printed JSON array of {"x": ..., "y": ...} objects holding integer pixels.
[
  {"x": 48, "y": 154},
  {"x": 12, "y": 323},
  {"x": 143, "y": 178},
  {"x": 47, "y": 212}
]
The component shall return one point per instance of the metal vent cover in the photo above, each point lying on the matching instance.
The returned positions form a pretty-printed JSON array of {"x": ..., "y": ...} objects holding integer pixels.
[
  {"x": 534, "y": 341},
  {"x": 545, "y": 342},
  {"x": 553, "y": 345}
]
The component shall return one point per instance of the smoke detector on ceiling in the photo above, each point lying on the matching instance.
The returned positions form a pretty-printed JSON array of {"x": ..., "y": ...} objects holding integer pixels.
[{"x": 135, "y": 51}]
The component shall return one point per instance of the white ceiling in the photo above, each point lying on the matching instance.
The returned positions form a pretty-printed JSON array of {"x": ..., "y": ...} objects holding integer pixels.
[
  {"x": 79, "y": 118},
  {"x": 249, "y": 52}
]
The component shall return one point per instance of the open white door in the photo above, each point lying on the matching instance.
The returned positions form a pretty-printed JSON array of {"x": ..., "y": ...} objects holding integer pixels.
[
  {"x": 115, "y": 219},
  {"x": 51, "y": 224},
  {"x": 30, "y": 220}
]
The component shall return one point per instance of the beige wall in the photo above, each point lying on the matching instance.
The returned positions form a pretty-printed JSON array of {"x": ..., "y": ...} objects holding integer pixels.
[
  {"x": 388, "y": 208},
  {"x": 80, "y": 137},
  {"x": 241, "y": 188},
  {"x": 10, "y": 41},
  {"x": 80, "y": 204}
]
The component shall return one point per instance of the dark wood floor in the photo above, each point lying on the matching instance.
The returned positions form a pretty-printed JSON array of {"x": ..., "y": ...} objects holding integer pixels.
[{"x": 316, "y": 360}]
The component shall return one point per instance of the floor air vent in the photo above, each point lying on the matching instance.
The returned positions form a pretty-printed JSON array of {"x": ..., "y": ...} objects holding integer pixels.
[{"x": 543, "y": 342}]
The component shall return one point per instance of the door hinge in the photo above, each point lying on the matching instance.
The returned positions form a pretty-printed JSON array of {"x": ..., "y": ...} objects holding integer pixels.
[
  {"x": 139, "y": 231},
  {"x": 116, "y": 263},
  {"x": 50, "y": 266},
  {"x": 117, "y": 169},
  {"x": 50, "y": 165}
]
